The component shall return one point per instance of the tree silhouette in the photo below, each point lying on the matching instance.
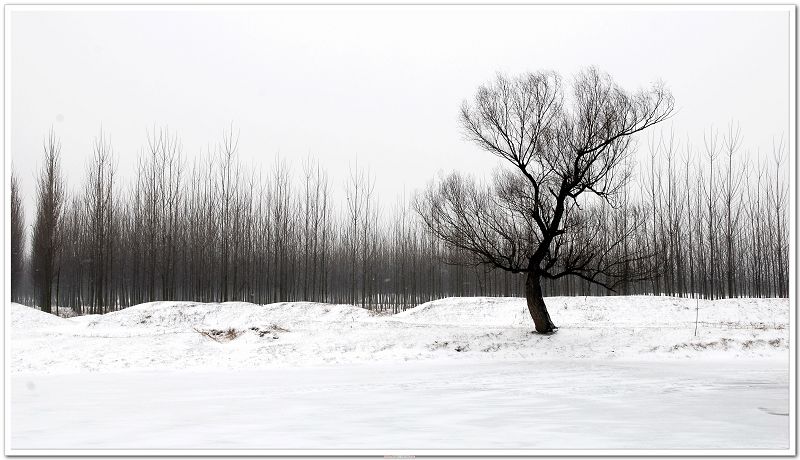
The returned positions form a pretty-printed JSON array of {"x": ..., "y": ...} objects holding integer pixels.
[{"x": 560, "y": 148}]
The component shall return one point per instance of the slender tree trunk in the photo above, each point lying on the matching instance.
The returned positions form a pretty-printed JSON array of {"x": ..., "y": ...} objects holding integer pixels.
[{"x": 536, "y": 305}]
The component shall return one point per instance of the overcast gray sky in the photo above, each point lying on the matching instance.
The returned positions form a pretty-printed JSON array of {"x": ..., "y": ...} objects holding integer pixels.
[{"x": 381, "y": 82}]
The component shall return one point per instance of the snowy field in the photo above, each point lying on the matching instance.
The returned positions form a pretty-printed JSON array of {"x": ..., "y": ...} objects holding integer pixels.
[{"x": 622, "y": 372}]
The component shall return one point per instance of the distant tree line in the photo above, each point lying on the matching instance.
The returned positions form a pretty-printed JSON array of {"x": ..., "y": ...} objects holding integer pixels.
[
  {"x": 719, "y": 219},
  {"x": 713, "y": 222}
]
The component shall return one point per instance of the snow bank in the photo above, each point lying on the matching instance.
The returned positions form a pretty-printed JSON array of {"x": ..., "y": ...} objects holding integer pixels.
[
  {"x": 24, "y": 318},
  {"x": 611, "y": 311},
  {"x": 471, "y": 311},
  {"x": 235, "y": 335},
  {"x": 236, "y": 315}
]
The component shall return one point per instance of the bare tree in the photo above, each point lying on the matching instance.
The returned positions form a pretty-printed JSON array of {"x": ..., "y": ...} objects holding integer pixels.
[
  {"x": 730, "y": 190},
  {"x": 777, "y": 197},
  {"x": 229, "y": 215},
  {"x": 98, "y": 198},
  {"x": 524, "y": 222},
  {"x": 47, "y": 242},
  {"x": 17, "y": 240},
  {"x": 354, "y": 193},
  {"x": 710, "y": 195},
  {"x": 690, "y": 247}
]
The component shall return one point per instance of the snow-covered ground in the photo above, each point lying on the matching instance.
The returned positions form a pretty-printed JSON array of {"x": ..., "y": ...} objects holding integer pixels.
[
  {"x": 622, "y": 372},
  {"x": 428, "y": 405},
  {"x": 169, "y": 335}
]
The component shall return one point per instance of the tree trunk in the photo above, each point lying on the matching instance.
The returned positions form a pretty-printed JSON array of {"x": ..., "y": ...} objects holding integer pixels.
[{"x": 536, "y": 306}]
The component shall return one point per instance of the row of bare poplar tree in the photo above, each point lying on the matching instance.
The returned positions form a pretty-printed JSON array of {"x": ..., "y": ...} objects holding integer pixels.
[
  {"x": 713, "y": 220},
  {"x": 719, "y": 219}
]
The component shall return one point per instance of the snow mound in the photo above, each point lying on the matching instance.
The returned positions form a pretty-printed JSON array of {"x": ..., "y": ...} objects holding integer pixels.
[
  {"x": 24, "y": 317},
  {"x": 469, "y": 311},
  {"x": 228, "y": 315},
  {"x": 667, "y": 312},
  {"x": 237, "y": 335}
]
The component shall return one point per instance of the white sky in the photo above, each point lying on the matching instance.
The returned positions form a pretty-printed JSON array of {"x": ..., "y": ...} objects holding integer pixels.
[{"x": 381, "y": 82}]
